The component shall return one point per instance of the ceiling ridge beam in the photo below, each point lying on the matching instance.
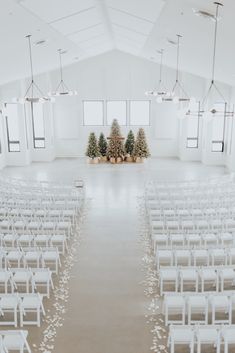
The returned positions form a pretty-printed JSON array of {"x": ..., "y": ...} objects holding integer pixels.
[
  {"x": 130, "y": 14},
  {"x": 102, "y": 7}
]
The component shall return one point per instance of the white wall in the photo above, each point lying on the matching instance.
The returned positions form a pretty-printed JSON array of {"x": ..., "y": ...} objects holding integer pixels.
[{"x": 112, "y": 76}]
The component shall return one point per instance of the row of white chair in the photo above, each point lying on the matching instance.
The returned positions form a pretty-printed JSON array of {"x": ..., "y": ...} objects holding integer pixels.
[
  {"x": 178, "y": 278},
  {"x": 196, "y": 307},
  {"x": 193, "y": 239},
  {"x": 59, "y": 241},
  {"x": 195, "y": 257},
  {"x": 31, "y": 279},
  {"x": 32, "y": 257},
  {"x": 23, "y": 304},
  {"x": 210, "y": 336}
]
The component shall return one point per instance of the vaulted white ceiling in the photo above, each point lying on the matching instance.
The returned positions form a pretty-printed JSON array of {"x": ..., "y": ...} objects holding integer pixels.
[{"x": 86, "y": 28}]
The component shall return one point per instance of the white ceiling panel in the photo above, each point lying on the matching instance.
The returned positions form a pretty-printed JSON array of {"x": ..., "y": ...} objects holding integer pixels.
[
  {"x": 51, "y": 10},
  {"x": 88, "y": 33},
  {"x": 127, "y": 41},
  {"x": 130, "y": 22},
  {"x": 77, "y": 22},
  {"x": 148, "y": 9},
  {"x": 93, "y": 42},
  {"x": 136, "y": 37}
]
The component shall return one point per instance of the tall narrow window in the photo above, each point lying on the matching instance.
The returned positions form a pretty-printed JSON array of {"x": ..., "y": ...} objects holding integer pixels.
[
  {"x": 192, "y": 131},
  {"x": 93, "y": 113},
  {"x": 38, "y": 125},
  {"x": 140, "y": 113},
  {"x": 117, "y": 110},
  {"x": 12, "y": 127}
]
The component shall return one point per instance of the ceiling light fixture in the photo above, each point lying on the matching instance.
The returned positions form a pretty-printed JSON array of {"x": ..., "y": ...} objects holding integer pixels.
[
  {"x": 213, "y": 85},
  {"x": 62, "y": 89},
  {"x": 33, "y": 87},
  {"x": 178, "y": 93},
  {"x": 160, "y": 92},
  {"x": 205, "y": 14}
]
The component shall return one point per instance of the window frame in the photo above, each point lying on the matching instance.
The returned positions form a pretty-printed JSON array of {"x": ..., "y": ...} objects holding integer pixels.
[
  {"x": 149, "y": 117},
  {"x": 106, "y": 110},
  {"x": 83, "y": 111},
  {"x": 10, "y": 142},
  {"x": 33, "y": 129}
]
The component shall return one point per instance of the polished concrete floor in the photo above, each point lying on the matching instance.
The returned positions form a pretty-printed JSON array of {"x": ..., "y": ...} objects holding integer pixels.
[{"x": 107, "y": 306}]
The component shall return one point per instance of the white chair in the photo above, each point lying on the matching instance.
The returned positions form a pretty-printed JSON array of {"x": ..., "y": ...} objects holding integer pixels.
[
  {"x": 32, "y": 304},
  {"x": 42, "y": 279},
  {"x": 197, "y": 304},
  {"x": 189, "y": 277},
  {"x": 59, "y": 241},
  {"x": 208, "y": 276},
  {"x": 226, "y": 276},
  {"x": 42, "y": 240},
  {"x": 193, "y": 239},
  {"x": 32, "y": 257},
  {"x": 181, "y": 335},
  {"x": 6, "y": 280},
  {"x": 164, "y": 257},
  {"x": 174, "y": 305},
  {"x": 200, "y": 257},
  {"x": 25, "y": 240},
  {"x": 218, "y": 257},
  {"x": 208, "y": 335},
  {"x": 182, "y": 257},
  {"x": 22, "y": 277},
  {"x": 15, "y": 341},
  {"x": 9, "y": 303},
  {"x": 177, "y": 240},
  {"x": 51, "y": 259},
  {"x": 221, "y": 304},
  {"x": 14, "y": 258},
  {"x": 168, "y": 276},
  {"x": 228, "y": 335},
  {"x": 231, "y": 256}
]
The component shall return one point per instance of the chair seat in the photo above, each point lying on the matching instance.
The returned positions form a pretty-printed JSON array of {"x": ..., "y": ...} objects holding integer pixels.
[
  {"x": 188, "y": 274},
  {"x": 8, "y": 302},
  {"x": 21, "y": 276},
  {"x": 175, "y": 301},
  {"x": 208, "y": 334},
  {"x": 208, "y": 274},
  {"x": 197, "y": 301},
  {"x": 14, "y": 341},
  {"x": 169, "y": 274}
]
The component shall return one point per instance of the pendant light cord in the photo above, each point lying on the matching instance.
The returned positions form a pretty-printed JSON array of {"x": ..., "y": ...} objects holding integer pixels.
[
  {"x": 61, "y": 69},
  {"x": 178, "y": 56},
  {"x": 215, "y": 40},
  {"x": 30, "y": 56},
  {"x": 160, "y": 80}
]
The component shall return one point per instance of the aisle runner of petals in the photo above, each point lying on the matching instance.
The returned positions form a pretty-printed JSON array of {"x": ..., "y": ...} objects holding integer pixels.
[
  {"x": 55, "y": 316},
  {"x": 154, "y": 317}
]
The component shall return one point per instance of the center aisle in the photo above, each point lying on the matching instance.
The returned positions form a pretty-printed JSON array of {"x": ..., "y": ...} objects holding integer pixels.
[{"x": 107, "y": 305}]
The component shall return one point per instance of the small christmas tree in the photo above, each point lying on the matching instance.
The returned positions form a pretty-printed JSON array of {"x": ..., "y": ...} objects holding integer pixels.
[
  {"x": 92, "y": 148},
  {"x": 103, "y": 145},
  {"x": 141, "y": 147},
  {"x": 115, "y": 146},
  {"x": 130, "y": 143}
]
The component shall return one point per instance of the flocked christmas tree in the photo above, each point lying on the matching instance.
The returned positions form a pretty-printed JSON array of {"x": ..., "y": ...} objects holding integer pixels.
[
  {"x": 141, "y": 147},
  {"x": 92, "y": 148},
  {"x": 115, "y": 146},
  {"x": 130, "y": 143},
  {"x": 103, "y": 145}
]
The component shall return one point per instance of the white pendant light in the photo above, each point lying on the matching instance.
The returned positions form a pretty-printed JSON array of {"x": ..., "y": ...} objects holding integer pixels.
[
  {"x": 160, "y": 92},
  {"x": 33, "y": 93},
  {"x": 178, "y": 93},
  {"x": 62, "y": 89},
  {"x": 213, "y": 86}
]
